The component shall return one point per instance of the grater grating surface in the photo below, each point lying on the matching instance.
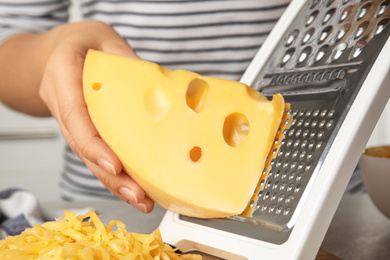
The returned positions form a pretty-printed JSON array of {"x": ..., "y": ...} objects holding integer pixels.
[{"x": 319, "y": 67}]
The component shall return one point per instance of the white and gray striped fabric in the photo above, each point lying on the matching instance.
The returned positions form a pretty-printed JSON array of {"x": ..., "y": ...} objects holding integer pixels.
[{"x": 211, "y": 37}]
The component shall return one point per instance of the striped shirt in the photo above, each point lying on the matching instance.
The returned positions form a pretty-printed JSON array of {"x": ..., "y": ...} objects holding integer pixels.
[{"x": 213, "y": 38}]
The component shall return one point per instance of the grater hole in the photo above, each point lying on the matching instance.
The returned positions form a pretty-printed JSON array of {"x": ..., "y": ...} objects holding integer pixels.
[
  {"x": 307, "y": 122},
  {"x": 301, "y": 165},
  {"x": 320, "y": 134},
  {"x": 311, "y": 142},
  {"x": 297, "y": 188},
  {"x": 381, "y": 26},
  {"x": 329, "y": 14},
  {"x": 316, "y": 112},
  {"x": 383, "y": 7},
  {"x": 314, "y": 3},
  {"x": 307, "y": 36},
  {"x": 289, "y": 197},
  {"x": 347, "y": 10},
  {"x": 339, "y": 50},
  {"x": 291, "y": 38},
  {"x": 363, "y": 10},
  {"x": 304, "y": 54},
  {"x": 325, "y": 34},
  {"x": 329, "y": 3},
  {"x": 293, "y": 166},
  {"x": 287, "y": 56},
  {"x": 343, "y": 31},
  {"x": 321, "y": 53},
  {"x": 358, "y": 49},
  {"x": 314, "y": 123},
  {"x": 361, "y": 29},
  {"x": 323, "y": 113},
  {"x": 310, "y": 19}
]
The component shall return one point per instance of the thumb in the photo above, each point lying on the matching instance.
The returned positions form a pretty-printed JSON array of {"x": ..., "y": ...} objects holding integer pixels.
[{"x": 118, "y": 46}]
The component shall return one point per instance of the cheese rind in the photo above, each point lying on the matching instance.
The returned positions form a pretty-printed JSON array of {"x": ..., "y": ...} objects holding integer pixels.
[{"x": 196, "y": 145}]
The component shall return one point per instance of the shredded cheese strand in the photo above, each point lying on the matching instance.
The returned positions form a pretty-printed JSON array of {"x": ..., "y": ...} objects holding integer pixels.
[{"x": 72, "y": 237}]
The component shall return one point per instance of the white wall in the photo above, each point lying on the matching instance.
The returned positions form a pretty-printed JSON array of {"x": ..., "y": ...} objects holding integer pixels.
[{"x": 30, "y": 153}]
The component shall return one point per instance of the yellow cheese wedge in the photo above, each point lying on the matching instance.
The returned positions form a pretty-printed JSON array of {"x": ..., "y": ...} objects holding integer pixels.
[{"x": 197, "y": 145}]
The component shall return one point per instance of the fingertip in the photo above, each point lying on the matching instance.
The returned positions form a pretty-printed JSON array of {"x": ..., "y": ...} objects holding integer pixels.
[
  {"x": 107, "y": 166},
  {"x": 145, "y": 207},
  {"x": 129, "y": 195}
]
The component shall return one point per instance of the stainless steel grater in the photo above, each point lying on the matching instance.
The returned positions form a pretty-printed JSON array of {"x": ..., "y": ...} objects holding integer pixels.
[{"x": 330, "y": 60}]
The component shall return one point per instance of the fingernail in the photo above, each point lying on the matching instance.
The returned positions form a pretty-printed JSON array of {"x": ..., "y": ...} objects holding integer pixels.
[
  {"x": 141, "y": 206},
  {"x": 106, "y": 165},
  {"x": 128, "y": 194}
]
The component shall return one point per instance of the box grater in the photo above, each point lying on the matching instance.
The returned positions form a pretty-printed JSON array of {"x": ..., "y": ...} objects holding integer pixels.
[{"x": 330, "y": 59}]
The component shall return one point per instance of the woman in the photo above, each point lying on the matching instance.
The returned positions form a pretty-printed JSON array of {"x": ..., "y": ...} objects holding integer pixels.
[{"x": 42, "y": 55}]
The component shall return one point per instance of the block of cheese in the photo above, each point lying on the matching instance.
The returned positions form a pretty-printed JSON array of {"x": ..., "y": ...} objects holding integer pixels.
[{"x": 197, "y": 145}]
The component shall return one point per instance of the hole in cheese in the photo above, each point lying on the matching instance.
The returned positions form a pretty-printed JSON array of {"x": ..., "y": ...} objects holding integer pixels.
[
  {"x": 156, "y": 102},
  {"x": 96, "y": 86},
  {"x": 235, "y": 129},
  {"x": 197, "y": 94},
  {"x": 195, "y": 153}
]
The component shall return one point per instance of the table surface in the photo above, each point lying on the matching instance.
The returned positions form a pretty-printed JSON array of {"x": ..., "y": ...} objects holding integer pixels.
[{"x": 358, "y": 230}]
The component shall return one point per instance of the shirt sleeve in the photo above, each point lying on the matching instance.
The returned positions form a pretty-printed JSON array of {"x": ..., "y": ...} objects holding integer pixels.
[{"x": 17, "y": 16}]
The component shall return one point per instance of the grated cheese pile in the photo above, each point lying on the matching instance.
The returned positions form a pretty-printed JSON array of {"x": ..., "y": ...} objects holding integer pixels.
[{"x": 75, "y": 237}]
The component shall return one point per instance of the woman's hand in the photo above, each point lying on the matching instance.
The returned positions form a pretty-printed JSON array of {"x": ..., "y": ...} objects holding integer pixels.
[{"x": 59, "y": 55}]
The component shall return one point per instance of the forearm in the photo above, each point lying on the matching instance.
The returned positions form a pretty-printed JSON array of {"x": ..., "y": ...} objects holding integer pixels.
[
  {"x": 23, "y": 58},
  {"x": 41, "y": 74}
]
